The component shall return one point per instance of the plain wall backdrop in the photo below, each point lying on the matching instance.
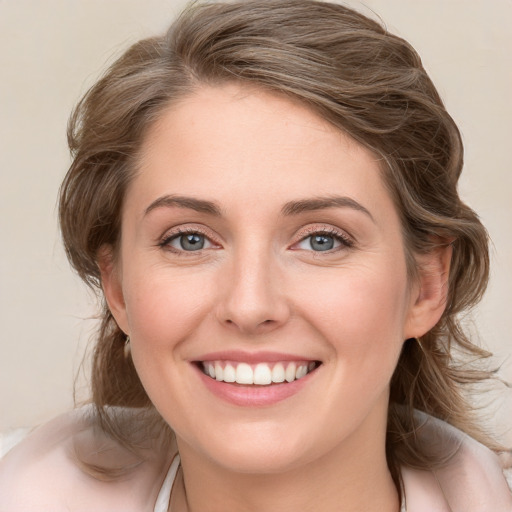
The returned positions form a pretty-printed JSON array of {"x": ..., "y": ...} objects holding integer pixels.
[{"x": 52, "y": 51}]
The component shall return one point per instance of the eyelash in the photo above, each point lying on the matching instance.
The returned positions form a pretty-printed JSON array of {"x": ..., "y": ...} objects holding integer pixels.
[
  {"x": 344, "y": 240},
  {"x": 168, "y": 238}
]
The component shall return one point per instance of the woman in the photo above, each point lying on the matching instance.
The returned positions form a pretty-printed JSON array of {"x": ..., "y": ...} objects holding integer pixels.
[{"x": 266, "y": 197}]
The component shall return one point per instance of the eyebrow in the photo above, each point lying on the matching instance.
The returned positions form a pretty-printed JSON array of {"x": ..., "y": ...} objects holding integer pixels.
[
  {"x": 191, "y": 203},
  {"x": 290, "y": 208},
  {"x": 321, "y": 203}
]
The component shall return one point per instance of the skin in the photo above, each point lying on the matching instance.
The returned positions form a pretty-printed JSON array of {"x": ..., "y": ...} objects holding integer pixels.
[{"x": 258, "y": 285}]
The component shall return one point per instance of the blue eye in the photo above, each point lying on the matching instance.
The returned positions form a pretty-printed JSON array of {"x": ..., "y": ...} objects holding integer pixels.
[
  {"x": 319, "y": 242},
  {"x": 188, "y": 242},
  {"x": 322, "y": 242}
]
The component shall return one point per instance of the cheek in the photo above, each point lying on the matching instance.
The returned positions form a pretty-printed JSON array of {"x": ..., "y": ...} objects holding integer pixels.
[
  {"x": 362, "y": 314},
  {"x": 361, "y": 319},
  {"x": 363, "y": 300},
  {"x": 165, "y": 311},
  {"x": 164, "y": 307}
]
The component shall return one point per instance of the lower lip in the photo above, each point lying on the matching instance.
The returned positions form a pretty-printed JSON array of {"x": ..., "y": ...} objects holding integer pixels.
[{"x": 254, "y": 396}]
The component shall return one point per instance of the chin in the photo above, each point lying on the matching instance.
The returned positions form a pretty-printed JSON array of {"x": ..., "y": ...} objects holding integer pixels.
[{"x": 257, "y": 449}]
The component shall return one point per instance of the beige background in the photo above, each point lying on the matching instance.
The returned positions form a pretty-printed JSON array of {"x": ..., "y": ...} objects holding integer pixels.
[{"x": 51, "y": 51}]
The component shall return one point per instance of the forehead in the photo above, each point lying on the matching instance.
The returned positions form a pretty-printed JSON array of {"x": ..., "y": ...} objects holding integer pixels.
[{"x": 235, "y": 142}]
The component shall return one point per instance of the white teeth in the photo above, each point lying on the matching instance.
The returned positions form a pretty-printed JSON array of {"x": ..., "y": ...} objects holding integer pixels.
[
  {"x": 291, "y": 370},
  {"x": 278, "y": 374},
  {"x": 262, "y": 374},
  {"x": 219, "y": 372},
  {"x": 244, "y": 374},
  {"x": 229, "y": 373},
  {"x": 301, "y": 372}
]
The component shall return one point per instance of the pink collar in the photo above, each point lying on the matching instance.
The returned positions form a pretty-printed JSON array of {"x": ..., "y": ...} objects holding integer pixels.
[{"x": 472, "y": 480}]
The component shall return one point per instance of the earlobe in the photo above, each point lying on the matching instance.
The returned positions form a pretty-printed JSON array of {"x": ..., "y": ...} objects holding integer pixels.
[
  {"x": 429, "y": 298},
  {"x": 112, "y": 286}
]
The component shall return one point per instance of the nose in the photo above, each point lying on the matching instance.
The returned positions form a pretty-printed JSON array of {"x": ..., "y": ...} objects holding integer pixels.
[{"x": 253, "y": 299}]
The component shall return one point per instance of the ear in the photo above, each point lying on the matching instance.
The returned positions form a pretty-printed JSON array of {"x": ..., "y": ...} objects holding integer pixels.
[
  {"x": 112, "y": 286},
  {"x": 430, "y": 292}
]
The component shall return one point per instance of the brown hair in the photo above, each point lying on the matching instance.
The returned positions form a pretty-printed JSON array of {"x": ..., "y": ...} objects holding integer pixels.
[{"x": 362, "y": 79}]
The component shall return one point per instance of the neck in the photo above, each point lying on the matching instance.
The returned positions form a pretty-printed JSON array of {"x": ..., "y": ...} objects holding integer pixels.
[{"x": 344, "y": 479}]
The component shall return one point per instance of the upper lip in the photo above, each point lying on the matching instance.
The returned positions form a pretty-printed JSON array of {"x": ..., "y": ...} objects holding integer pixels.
[{"x": 252, "y": 357}]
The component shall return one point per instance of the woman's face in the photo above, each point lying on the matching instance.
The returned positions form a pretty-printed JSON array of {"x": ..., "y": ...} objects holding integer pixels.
[{"x": 259, "y": 243}]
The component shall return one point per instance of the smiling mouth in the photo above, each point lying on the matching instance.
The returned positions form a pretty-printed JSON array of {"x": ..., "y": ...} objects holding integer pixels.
[{"x": 260, "y": 374}]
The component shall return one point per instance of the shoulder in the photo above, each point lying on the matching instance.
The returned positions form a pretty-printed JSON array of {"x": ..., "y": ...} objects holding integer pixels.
[
  {"x": 44, "y": 471},
  {"x": 472, "y": 479}
]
